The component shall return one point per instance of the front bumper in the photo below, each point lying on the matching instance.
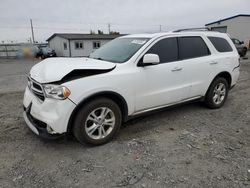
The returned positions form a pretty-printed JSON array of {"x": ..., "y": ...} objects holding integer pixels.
[
  {"x": 48, "y": 118},
  {"x": 38, "y": 127}
]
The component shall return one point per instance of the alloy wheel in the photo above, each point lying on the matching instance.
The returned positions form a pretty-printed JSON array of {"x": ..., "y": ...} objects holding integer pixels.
[
  {"x": 100, "y": 123},
  {"x": 219, "y": 93}
]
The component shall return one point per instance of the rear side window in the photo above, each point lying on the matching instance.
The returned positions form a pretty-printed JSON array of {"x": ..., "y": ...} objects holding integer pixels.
[
  {"x": 166, "y": 49},
  {"x": 192, "y": 47},
  {"x": 220, "y": 44}
]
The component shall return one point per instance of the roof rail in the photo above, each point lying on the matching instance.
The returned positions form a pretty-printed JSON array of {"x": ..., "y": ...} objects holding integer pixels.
[{"x": 193, "y": 29}]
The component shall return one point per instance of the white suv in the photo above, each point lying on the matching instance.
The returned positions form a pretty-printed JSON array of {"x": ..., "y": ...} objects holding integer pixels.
[{"x": 91, "y": 97}]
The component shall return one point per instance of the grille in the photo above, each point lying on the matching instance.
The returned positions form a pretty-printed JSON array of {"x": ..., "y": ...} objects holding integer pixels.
[{"x": 36, "y": 88}]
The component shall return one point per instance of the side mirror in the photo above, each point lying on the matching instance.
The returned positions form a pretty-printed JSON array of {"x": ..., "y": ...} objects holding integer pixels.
[{"x": 151, "y": 59}]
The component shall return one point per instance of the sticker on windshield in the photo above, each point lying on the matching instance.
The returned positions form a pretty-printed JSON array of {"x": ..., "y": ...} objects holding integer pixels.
[{"x": 141, "y": 42}]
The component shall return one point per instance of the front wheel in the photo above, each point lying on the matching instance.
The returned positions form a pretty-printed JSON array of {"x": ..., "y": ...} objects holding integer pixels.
[
  {"x": 97, "y": 122},
  {"x": 217, "y": 93}
]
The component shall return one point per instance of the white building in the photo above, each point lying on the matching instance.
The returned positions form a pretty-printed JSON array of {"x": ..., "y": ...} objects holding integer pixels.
[
  {"x": 77, "y": 45},
  {"x": 236, "y": 26}
]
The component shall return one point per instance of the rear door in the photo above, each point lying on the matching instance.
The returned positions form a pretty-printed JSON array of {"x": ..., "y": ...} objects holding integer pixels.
[{"x": 197, "y": 64}]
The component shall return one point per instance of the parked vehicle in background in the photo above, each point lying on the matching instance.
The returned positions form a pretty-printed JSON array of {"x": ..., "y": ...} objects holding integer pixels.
[
  {"x": 45, "y": 52},
  {"x": 241, "y": 48},
  {"x": 92, "y": 97},
  {"x": 26, "y": 51}
]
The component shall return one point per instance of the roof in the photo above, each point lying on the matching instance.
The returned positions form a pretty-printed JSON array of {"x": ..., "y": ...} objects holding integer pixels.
[
  {"x": 144, "y": 35},
  {"x": 229, "y": 18},
  {"x": 75, "y": 36},
  {"x": 171, "y": 33}
]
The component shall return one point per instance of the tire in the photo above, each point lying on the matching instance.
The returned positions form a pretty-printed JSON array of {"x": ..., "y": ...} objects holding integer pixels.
[
  {"x": 219, "y": 88},
  {"x": 109, "y": 124}
]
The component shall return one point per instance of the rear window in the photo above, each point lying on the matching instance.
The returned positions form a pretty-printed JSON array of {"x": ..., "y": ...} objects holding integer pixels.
[
  {"x": 192, "y": 47},
  {"x": 220, "y": 44}
]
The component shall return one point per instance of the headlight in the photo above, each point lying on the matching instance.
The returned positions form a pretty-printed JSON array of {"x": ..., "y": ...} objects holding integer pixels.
[{"x": 56, "y": 91}]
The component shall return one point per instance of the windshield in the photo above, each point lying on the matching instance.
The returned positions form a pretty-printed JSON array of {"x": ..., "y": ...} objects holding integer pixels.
[
  {"x": 119, "y": 50},
  {"x": 236, "y": 41}
]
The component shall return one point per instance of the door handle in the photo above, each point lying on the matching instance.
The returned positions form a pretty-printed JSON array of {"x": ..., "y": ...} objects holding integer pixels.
[
  {"x": 214, "y": 63},
  {"x": 176, "y": 69}
]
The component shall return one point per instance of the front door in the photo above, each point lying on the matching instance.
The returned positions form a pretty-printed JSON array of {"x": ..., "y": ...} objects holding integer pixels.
[{"x": 164, "y": 83}]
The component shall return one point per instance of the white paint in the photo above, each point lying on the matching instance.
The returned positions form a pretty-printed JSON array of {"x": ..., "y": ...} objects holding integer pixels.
[
  {"x": 57, "y": 118},
  {"x": 29, "y": 124},
  {"x": 64, "y": 66},
  {"x": 142, "y": 88}
]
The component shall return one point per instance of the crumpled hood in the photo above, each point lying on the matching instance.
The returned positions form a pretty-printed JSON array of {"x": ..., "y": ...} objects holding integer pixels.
[{"x": 54, "y": 69}]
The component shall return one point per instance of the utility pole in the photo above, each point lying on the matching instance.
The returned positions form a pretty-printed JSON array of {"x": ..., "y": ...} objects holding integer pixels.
[
  {"x": 160, "y": 28},
  {"x": 32, "y": 31},
  {"x": 6, "y": 50},
  {"x": 109, "y": 27}
]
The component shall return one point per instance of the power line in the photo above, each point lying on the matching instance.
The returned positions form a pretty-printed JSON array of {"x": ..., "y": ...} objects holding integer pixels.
[
  {"x": 87, "y": 23},
  {"x": 77, "y": 28},
  {"x": 74, "y": 28}
]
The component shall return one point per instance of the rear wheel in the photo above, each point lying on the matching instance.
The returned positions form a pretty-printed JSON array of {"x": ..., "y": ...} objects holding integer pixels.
[
  {"x": 97, "y": 122},
  {"x": 217, "y": 93}
]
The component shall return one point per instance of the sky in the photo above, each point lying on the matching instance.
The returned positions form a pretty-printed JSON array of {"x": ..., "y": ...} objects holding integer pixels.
[{"x": 124, "y": 16}]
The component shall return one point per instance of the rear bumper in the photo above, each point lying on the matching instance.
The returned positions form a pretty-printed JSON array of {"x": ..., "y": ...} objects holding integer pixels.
[{"x": 235, "y": 75}]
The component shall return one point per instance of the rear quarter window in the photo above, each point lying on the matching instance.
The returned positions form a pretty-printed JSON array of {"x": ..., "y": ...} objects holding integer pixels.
[
  {"x": 192, "y": 47},
  {"x": 220, "y": 44}
]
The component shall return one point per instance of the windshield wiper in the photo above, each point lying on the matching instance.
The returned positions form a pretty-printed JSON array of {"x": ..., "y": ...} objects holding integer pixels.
[{"x": 98, "y": 58}]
